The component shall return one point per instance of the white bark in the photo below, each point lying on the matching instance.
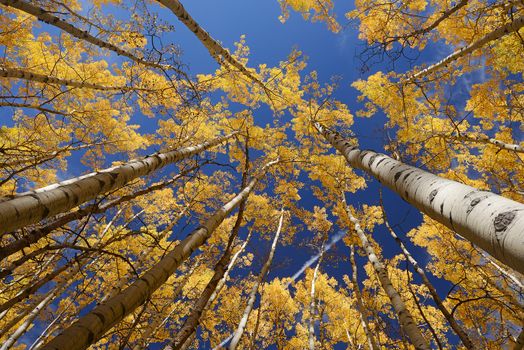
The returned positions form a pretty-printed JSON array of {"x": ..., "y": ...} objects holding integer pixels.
[
  {"x": 30, "y": 207},
  {"x": 102, "y": 318},
  {"x": 492, "y": 222},
  {"x": 372, "y": 344},
  {"x": 312, "y": 302},
  {"x": 438, "y": 301},
  {"x": 51, "y": 295},
  {"x": 470, "y": 137},
  {"x": 407, "y": 323},
  {"x": 6, "y": 72},
  {"x": 216, "y": 50},
  {"x": 498, "y": 33},
  {"x": 121, "y": 283},
  {"x": 47, "y": 17},
  {"x": 254, "y": 290}
]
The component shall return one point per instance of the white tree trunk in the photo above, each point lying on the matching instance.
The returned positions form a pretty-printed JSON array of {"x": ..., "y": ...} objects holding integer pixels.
[
  {"x": 6, "y": 72},
  {"x": 47, "y": 17},
  {"x": 438, "y": 301},
  {"x": 102, "y": 318},
  {"x": 372, "y": 344},
  {"x": 30, "y": 207},
  {"x": 312, "y": 302},
  {"x": 407, "y": 323},
  {"x": 216, "y": 50},
  {"x": 494, "y": 223},
  {"x": 470, "y": 137},
  {"x": 254, "y": 290},
  {"x": 498, "y": 33}
]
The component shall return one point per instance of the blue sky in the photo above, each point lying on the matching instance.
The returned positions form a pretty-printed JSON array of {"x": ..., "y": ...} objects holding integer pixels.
[{"x": 329, "y": 54}]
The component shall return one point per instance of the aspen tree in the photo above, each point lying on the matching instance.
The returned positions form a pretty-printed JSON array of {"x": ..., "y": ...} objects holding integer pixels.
[
  {"x": 438, "y": 301},
  {"x": 103, "y": 317},
  {"x": 372, "y": 344},
  {"x": 405, "y": 318},
  {"x": 217, "y": 52},
  {"x": 47, "y": 17},
  {"x": 31, "y": 207},
  {"x": 312, "y": 301},
  {"x": 254, "y": 289},
  {"x": 498, "y": 33},
  {"x": 220, "y": 270},
  {"x": 494, "y": 223}
]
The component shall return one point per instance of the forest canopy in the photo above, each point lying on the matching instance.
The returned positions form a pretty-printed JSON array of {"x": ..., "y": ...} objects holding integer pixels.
[{"x": 286, "y": 174}]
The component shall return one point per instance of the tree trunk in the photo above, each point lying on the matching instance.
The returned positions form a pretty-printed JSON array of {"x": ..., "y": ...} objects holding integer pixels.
[
  {"x": 407, "y": 323},
  {"x": 30, "y": 207},
  {"x": 157, "y": 325},
  {"x": 432, "y": 290},
  {"x": 6, "y": 72},
  {"x": 312, "y": 303},
  {"x": 470, "y": 137},
  {"x": 494, "y": 223},
  {"x": 46, "y": 16},
  {"x": 498, "y": 33},
  {"x": 216, "y": 50},
  {"x": 95, "y": 324},
  {"x": 372, "y": 344},
  {"x": 254, "y": 290},
  {"x": 34, "y": 235}
]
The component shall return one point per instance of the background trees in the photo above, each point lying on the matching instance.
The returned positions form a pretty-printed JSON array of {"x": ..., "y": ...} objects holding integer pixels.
[{"x": 150, "y": 200}]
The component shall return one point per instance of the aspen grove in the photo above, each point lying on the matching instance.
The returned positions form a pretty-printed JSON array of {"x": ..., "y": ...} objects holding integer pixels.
[{"x": 282, "y": 174}]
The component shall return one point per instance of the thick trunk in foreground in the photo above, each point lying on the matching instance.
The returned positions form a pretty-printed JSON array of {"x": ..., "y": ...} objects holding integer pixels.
[
  {"x": 30, "y": 207},
  {"x": 34, "y": 235},
  {"x": 372, "y": 343},
  {"x": 254, "y": 290},
  {"x": 47, "y": 17},
  {"x": 498, "y": 33},
  {"x": 407, "y": 323},
  {"x": 492, "y": 222},
  {"x": 102, "y": 318},
  {"x": 432, "y": 290}
]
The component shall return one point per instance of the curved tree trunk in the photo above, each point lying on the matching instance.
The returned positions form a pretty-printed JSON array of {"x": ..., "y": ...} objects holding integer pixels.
[
  {"x": 498, "y": 33},
  {"x": 254, "y": 290},
  {"x": 372, "y": 343},
  {"x": 432, "y": 290},
  {"x": 494, "y": 223},
  {"x": 102, "y": 318},
  {"x": 47, "y": 17},
  {"x": 406, "y": 321},
  {"x": 30, "y": 207}
]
